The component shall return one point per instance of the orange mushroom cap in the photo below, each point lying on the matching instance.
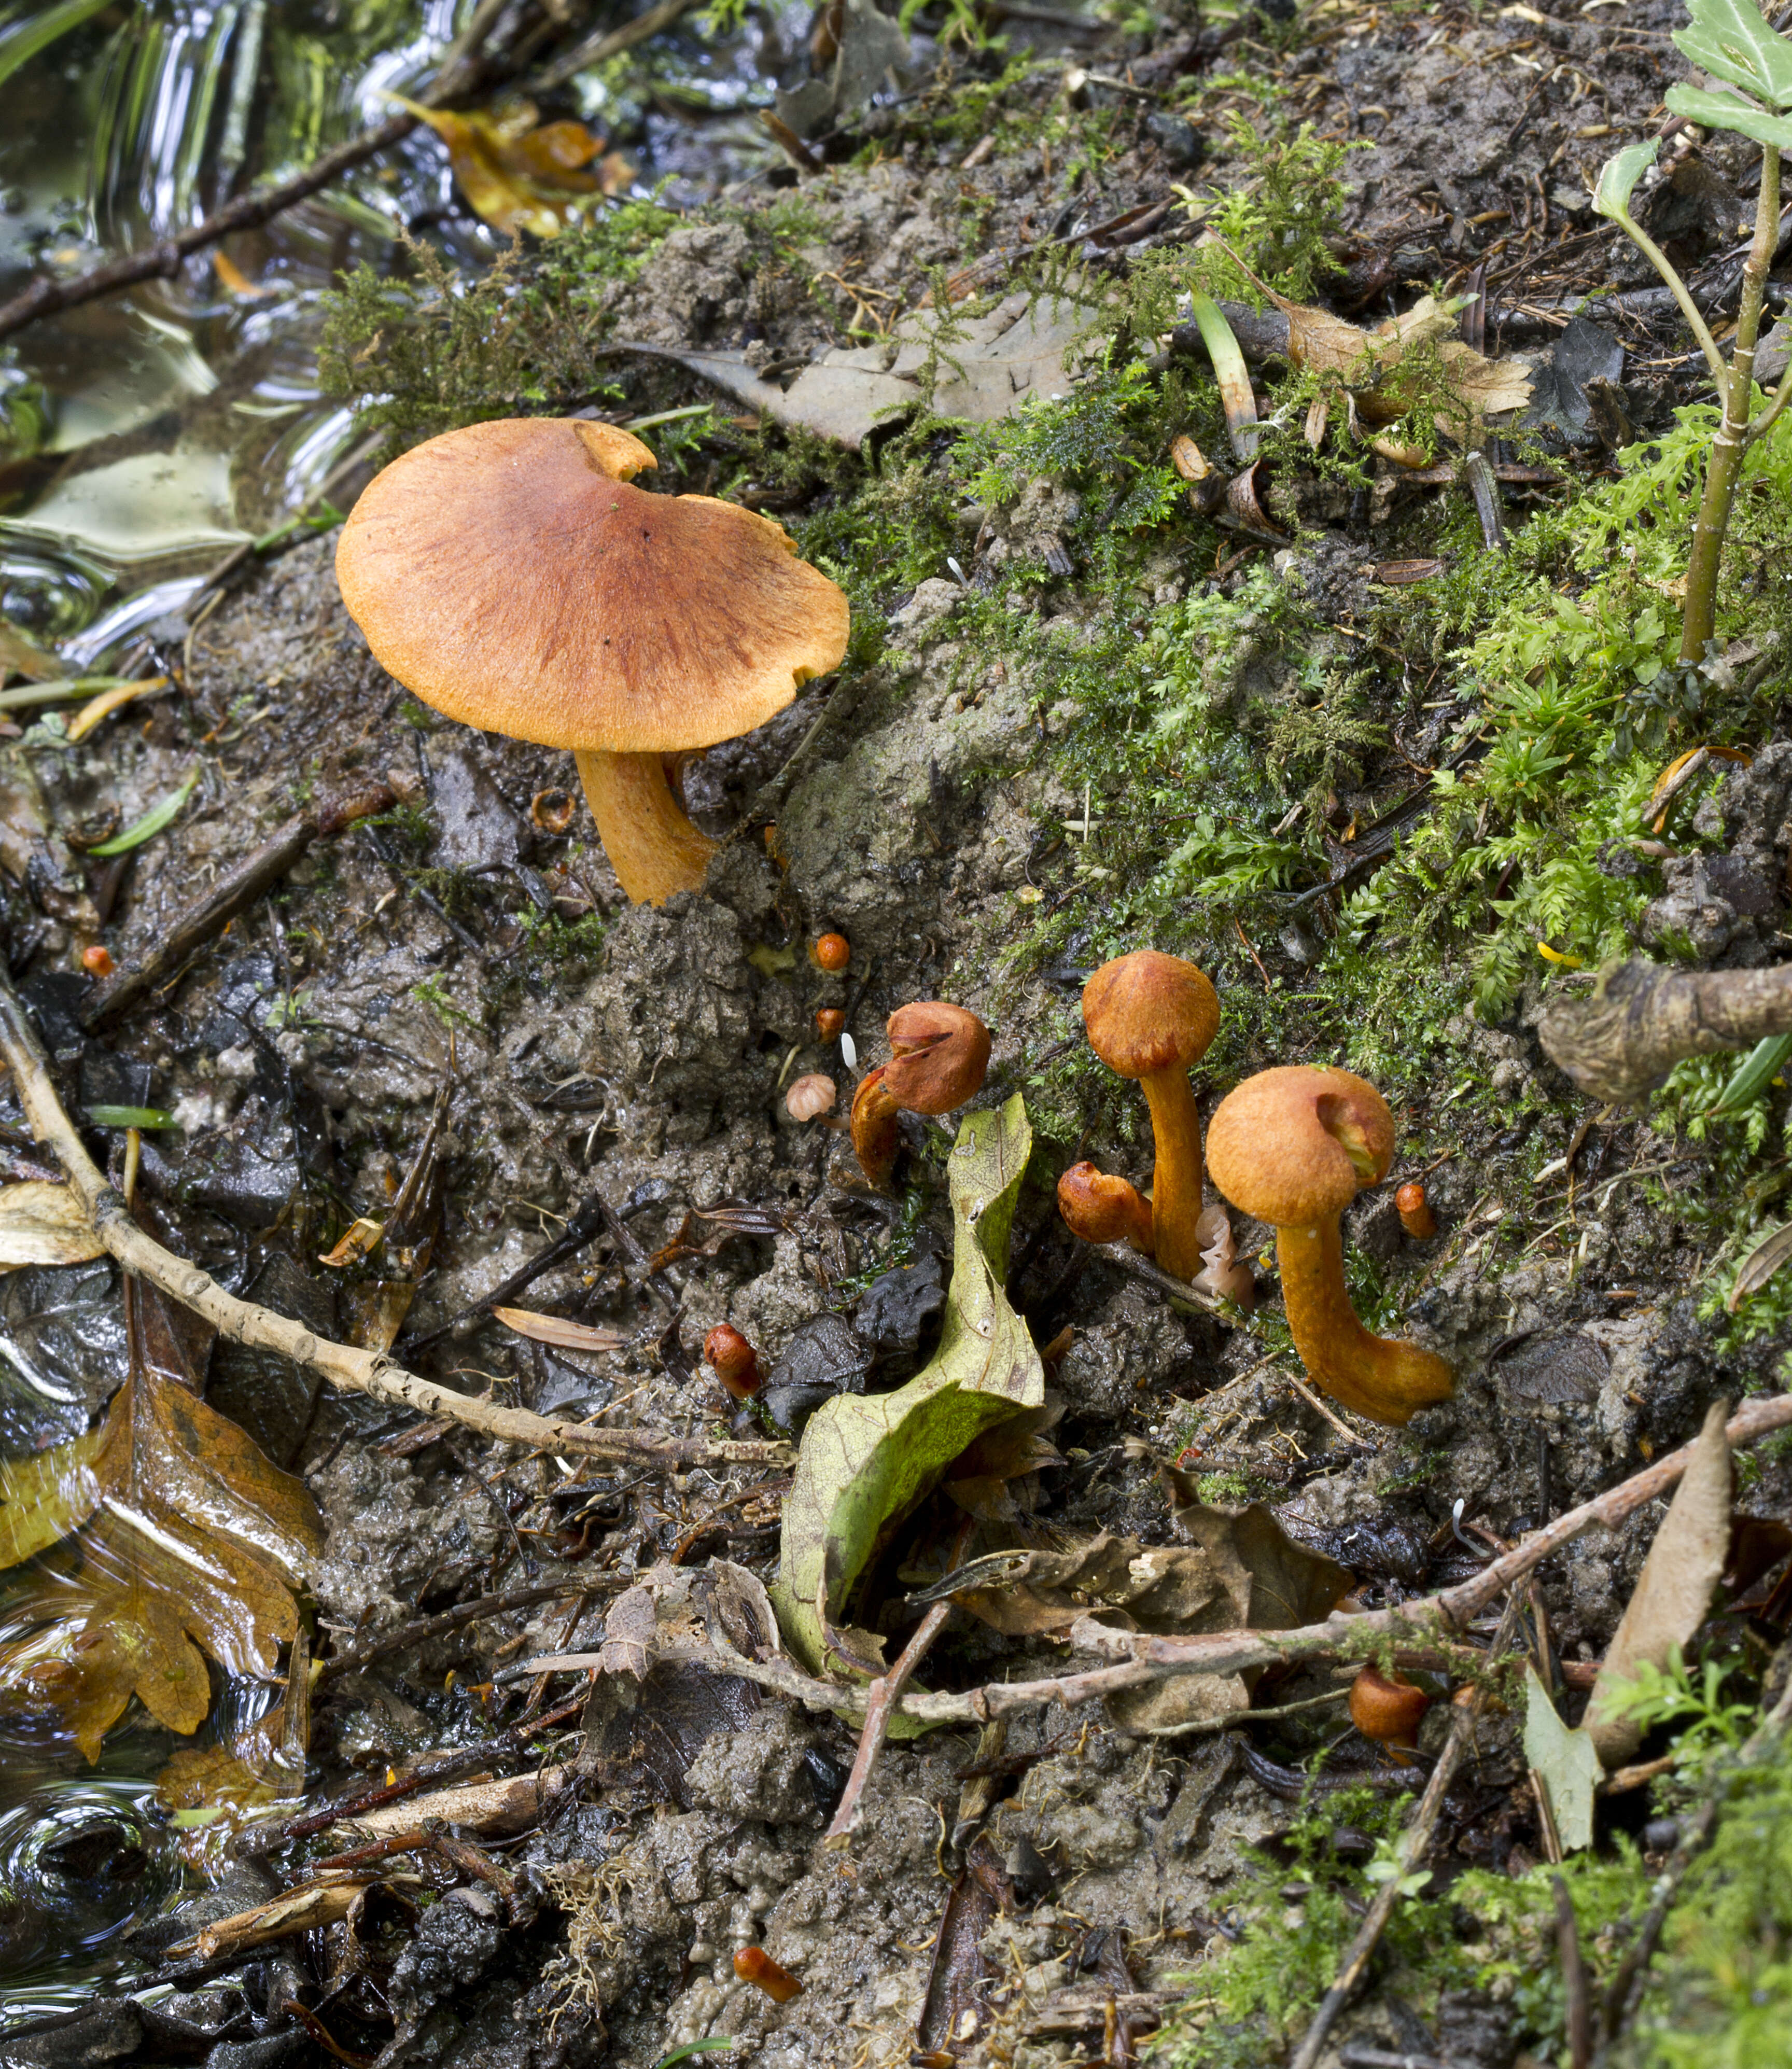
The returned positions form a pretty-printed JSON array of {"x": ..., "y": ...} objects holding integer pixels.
[
  {"x": 1292, "y": 1144},
  {"x": 1100, "y": 1208},
  {"x": 1386, "y": 1708},
  {"x": 1149, "y": 1012},
  {"x": 509, "y": 574},
  {"x": 940, "y": 1056}
]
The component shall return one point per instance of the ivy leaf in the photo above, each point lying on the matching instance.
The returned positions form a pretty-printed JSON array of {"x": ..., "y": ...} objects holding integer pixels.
[
  {"x": 1729, "y": 39},
  {"x": 1617, "y": 179},
  {"x": 1718, "y": 110},
  {"x": 867, "y": 1461},
  {"x": 1567, "y": 1761},
  {"x": 181, "y": 1538}
]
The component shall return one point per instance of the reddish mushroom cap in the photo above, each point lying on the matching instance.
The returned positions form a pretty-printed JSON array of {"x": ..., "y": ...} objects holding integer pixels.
[
  {"x": 941, "y": 1056},
  {"x": 508, "y": 574},
  {"x": 1291, "y": 1145}
]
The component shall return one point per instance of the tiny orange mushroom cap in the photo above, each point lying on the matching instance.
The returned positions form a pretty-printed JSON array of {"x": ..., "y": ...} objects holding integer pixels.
[
  {"x": 510, "y": 574},
  {"x": 1101, "y": 1209},
  {"x": 831, "y": 952},
  {"x": 1150, "y": 1016},
  {"x": 940, "y": 1058},
  {"x": 1387, "y": 1709},
  {"x": 1292, "y": 1147},
  {"x": 733, "y": 1360},
  {"x": 1415, "y": 1211},
  {"x": 754, "y": 1965}
]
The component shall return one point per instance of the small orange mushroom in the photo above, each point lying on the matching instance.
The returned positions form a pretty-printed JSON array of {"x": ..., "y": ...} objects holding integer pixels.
[
  {"x": 941, "y": 1056},
  {"x": 97, "y": 960},
  {"x": 1150, "y": 1017},
  {"x": 734, "y": 1361},
  {"x": 1386, "y": 1708},
  {"x": 1100, "y": 1208},
  {"x": 829, "y": 1023},
  {"x": 512, "y": 575},
  {"x": 1415, "y": 1209},
  {"x": 831, "y": 952},
  {"x": 754, "y": 1965},
  {"x": 1292, "y": 1147}
]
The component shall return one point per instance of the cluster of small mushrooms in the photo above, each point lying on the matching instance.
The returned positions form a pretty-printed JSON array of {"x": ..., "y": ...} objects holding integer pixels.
[{"x": 637, "y": 629}]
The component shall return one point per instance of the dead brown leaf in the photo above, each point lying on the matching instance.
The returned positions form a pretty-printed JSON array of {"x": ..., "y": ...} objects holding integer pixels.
[
  {"x": 495, "y": 1809},
  {"x": 42, "y": 1223},
  {"x": 562, "y": 1335},
  {"x": 1673, "y": 1593},
  {"x": 518, "y": 176},
  {"x": 301, "y": 1910},
  {"x": 182, "y": 1539}
]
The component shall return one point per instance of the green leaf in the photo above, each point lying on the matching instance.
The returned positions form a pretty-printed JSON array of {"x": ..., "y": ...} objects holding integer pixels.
[
  {"x": 1567, "y": 1761},
  {"x": 1717, "y": 111},
  {"x": 1231, "y": 371},
  {"x": 151, "y": 823},
  {"x": 867, "y": 1461},
  {"x": 131, "y": 1116},
  {"x": 1729, "y": 39},
  {"x": 1617, "y": 179},
  {"x": 715, "y": 2042},
  {"x": 1754, "y": 1074}
]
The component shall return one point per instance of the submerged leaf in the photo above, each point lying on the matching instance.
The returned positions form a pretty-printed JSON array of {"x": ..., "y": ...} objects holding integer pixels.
[
  {"x": 43, "y": 1223},
  {"x": 186, "y": 1541},
  {"x": 867, "y": 1460},
  {"x": 1673, "y": 1593},
  {"x": 518, "y": 176}
]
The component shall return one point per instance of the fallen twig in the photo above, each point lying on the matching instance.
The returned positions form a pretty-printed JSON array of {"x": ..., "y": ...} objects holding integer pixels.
[
  {"x": 1642, "y": 1019},
  {"x": 243, "y": 1321},
  {"x": 237, "y": 888},
  {"x": 421, "y": 1629},
  {"x": 1139, "y": 1658}
]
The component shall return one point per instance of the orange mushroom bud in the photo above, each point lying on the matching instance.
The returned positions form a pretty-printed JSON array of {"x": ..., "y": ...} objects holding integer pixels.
[
  {"x": 1100, "y": 1208},
  {"x": 832, "y": 952},
  {"x": 1387, "y": 1709},
  {"x": 829, "y": 1023},
  {"x": 97, "y": 960},
  {"x": 1150, "y": 1017},
  {"x": 734, "y": 1361},
  {"x": 810, "y": 1097},
  {"x": 551, "y": 811},
  {"x": 754, "y": 1965},
  {"x": 1416, "y": 1217},
  {"x": 1292, "y": 1147},
  {"x": 941, "y": 1055}
]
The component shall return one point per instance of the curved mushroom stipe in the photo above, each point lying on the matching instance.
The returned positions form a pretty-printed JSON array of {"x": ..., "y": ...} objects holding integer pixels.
[
  {"x": 940, "y": 1056},
  {"x": 874, "y": 1127},
  {"x": 1101, "y": 1209},
  {"x": 1149, "y": 1016},
  {"x": 510, "y": 574},
  {"x": 1292, "y": 1147}
]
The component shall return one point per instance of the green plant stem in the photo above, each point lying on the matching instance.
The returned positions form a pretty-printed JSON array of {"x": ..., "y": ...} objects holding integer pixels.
[
  {"x": 1682, "y": 294},
  {"x": 1736, "y": 392}
]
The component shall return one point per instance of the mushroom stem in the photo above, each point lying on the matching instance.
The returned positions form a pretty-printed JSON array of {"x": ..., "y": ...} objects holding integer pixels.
[
  {"x": 1176, "y": 1181},
  {"x": 652, "y": 846},
  {"x": 1388, "y": 1383}
]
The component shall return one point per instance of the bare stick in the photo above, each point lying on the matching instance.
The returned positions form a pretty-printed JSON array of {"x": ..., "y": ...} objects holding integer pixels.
[
  {"x": 1642, "y": 1019},
  {"x": 595, "y": 49},
  {"x": 359, "y": 1371},
  {"x": 421, "y": 1629},
  {"x": 238, "y": 888},
  {"x": 882, "y": 1698}
]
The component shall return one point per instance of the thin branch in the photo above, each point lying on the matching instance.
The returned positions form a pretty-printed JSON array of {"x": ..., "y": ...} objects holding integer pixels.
[
  {"x": 243, "y": 1321},
  {"x": 421, "y": 1629},
  {"x": 608, "y": 43}
]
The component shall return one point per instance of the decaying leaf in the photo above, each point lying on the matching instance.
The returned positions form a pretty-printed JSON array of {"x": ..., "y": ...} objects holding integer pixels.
[
  {"x": 979, "y": 1479},
  {"x": 1566, "y": 1760},
  {"x": 983, "y": 368},
  {"x": 518, "y": 176},
  {"x": 561, "y": 1334},
  {"x": 262, "y": 1764},
  {"x": 728, "y": 1220},
  {"x": 1674, "y": 1590},
  {"x": 1760, "y": 1265},
  {"x": 181, "y": 1537},
  {"x": 42, "y": 1223},
  {"x": 866, "y": 1460},
  {"x": 631, "y": 1634},
  {"x": 301, "y": 1910},
  {"x": 860, "y": 45}
]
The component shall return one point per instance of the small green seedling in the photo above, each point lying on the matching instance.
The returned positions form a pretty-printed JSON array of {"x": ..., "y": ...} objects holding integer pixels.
[{"x": 1730, "y": 41}]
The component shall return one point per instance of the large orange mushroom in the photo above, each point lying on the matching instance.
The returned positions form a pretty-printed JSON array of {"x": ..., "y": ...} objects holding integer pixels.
[
  {"x": 1292, "y": 1147},
  {"x": 511, "y": 575}
]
